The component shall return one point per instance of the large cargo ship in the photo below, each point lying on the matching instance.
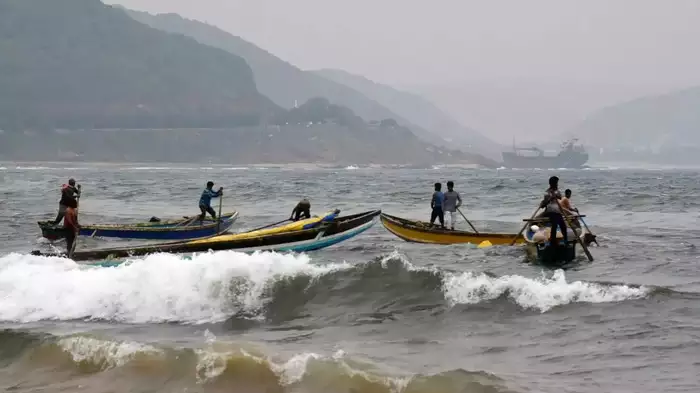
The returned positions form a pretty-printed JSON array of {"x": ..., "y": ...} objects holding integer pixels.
[{"x": 570, "y": 156}]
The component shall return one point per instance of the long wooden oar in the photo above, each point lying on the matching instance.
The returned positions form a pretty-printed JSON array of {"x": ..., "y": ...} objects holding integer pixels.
[
  {"x": 467, "y": 220},
  {"x": 271, "y": 225},
  {"x": 524, "y": 226},
  {"x": 218, "y": 221},
  {"x": 573, "y": 228}
]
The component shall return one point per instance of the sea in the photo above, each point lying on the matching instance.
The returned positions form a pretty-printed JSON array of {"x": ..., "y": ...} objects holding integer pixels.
[{"x": 373, "y": 314}]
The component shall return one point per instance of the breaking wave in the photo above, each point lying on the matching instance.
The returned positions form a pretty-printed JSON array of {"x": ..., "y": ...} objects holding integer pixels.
[{"x": 213, "y": 287}]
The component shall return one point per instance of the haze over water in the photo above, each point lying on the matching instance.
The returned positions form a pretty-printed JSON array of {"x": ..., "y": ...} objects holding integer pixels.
[{"x": 374, "y": 314}]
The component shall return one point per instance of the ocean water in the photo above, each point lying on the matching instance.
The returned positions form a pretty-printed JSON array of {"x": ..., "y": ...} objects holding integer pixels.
[{"x": 373, "y": 314}]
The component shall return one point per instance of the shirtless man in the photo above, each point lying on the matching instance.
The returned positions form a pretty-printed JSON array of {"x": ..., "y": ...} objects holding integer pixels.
[
  {"x": 569, "y": 209},
  {"x": 566, "y": 203}
]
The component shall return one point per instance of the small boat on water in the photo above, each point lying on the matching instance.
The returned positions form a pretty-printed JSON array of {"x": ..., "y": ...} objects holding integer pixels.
[
  {"x": 305, "y": 235},
  {"x": 423, "y": 232},
  {"x": 186, "y": 228},
  {"x": 539, "y": 248}
]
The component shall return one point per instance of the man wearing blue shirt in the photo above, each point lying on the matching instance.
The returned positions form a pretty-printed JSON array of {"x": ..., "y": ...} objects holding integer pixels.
[
  {"x": 437, "y": 204},
  {"x": 205, "y": 201}
]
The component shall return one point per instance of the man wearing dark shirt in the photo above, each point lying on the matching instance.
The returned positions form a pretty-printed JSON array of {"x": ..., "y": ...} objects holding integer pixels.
[{"x": 69, "y": 195}]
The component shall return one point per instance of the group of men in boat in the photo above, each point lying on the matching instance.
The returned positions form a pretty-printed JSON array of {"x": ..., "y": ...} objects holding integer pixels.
[
  {"x": 445, "y": 202},
  {"x": 555, "y": 208},
  {"x": 554, "y": 204},
  {"x": 302, "y": 209},
  {"x": 70, "y": 195}
]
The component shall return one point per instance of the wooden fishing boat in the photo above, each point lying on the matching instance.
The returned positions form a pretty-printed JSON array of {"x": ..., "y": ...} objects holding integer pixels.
[
  {"x": 423, "y": 232},
  {"x": 186, "y": 228},
  {"x": 539, "y": 248},
  {"x": 311, "y": 234}
]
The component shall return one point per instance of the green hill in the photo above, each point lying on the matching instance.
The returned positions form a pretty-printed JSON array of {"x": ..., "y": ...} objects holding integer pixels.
[
  {"x": 277, "y": 79},
  {"x": 419, "y": 111},
  {"x": 665, "y": 120},
  {"x": 83, "y": 64}
]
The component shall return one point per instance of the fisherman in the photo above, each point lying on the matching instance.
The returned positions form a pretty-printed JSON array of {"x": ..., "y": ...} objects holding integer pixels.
[
  {"x": 303, "y": 208},
  {"x": 569, "y": 209},
  {"x": 69, "y": 195},
  {"x": 71, "y": 226},
  {"x": 437, "y": 203},
  {"x": 205, "y": 201},
  {"x": 566, "y": 203},
  {"x": 550, "y": 203},
  {"x": 452, "y": 202}
]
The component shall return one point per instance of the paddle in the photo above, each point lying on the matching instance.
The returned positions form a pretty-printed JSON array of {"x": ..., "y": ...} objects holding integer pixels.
[
  {"x": 524, "y": 226},
  {"x": 573, "y": 228},
  {"x": 467, "y": 220}
]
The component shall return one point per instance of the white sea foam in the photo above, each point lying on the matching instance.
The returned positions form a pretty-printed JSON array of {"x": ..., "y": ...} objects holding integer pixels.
[
  {"x": 352, "y": 167},
  {"x": 106, "y": 354},
  {"x": 159, "y": 288},
  {"x": 541, "y": 294}
]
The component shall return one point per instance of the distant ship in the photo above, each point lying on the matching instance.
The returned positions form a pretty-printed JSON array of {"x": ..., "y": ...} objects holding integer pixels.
[{"x": 570, "y": 156}]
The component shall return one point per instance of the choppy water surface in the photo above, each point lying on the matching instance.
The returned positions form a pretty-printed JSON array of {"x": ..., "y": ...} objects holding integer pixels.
[{"x": 374, "y": 314}]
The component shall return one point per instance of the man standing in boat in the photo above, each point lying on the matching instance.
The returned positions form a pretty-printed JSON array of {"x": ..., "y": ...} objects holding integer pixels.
[
  {"x": 452, "y": 202},
  {"x": 302, "y": 209},
  {"x": 205, "y": 201},
  {"x": 69, "y": 195},
  {"x": 437, "y": 204},
  {"x": 550, "y": 203},
  {"x": 569, "y": 209},
  {"x": 70, "y": 225}
]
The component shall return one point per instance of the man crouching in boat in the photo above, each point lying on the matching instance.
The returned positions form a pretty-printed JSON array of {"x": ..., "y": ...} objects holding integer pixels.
[
  {"x": 303, "y": 208},
  {"x": 205, "y": 201},
  {"x": 550, "y": 203},
  {"x": 71, "y": 226}
]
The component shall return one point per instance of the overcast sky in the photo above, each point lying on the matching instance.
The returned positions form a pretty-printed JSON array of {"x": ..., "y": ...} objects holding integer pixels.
[
  {"x": 418, "y": 42},
  {"x": 404, "y": 41}
]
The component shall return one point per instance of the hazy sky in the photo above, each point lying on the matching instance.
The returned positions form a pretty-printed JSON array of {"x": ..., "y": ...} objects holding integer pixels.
[
  {"x": 414, "y": 42},
  {"x": 404, "y": 41}
]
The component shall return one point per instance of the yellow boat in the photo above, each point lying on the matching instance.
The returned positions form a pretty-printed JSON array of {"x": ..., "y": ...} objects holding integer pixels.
[
  {"x": 294, "y": 226},
  {"x": 423, "y": 232}
]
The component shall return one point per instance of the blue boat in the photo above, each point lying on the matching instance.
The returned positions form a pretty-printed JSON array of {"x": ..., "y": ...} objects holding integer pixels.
[
  {"x": 187, "y": 228},
  {"x": 324, "y": 233}
]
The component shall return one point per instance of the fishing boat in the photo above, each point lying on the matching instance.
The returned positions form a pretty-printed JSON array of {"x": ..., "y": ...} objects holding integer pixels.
[
  {"x": 539, "y": 248},
  {"x": 305, "y": 235},
  {"x": 423, "y": 232},
  {"x": 186, "y": 228}
]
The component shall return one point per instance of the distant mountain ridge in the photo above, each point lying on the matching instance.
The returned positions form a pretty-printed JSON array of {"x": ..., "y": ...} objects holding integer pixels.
[
  {"x": 82, "y": 64},
  {"x": 668, "y": 120},
  {"x": 283, "y": 82},
  {"x": 82, "y": 81},
  {"x": 277, "y": 79},
  {"x": 418, "y": 110}
]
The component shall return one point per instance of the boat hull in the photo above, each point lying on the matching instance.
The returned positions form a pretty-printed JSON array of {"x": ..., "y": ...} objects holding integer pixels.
[
  {"x": 421, "y": 232},
  {"x": 323, "y": 235},
  {"x": 540, "y": 250},
  {"x": 298, "y": 247},
  {"x": 171, "y": 230}
]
